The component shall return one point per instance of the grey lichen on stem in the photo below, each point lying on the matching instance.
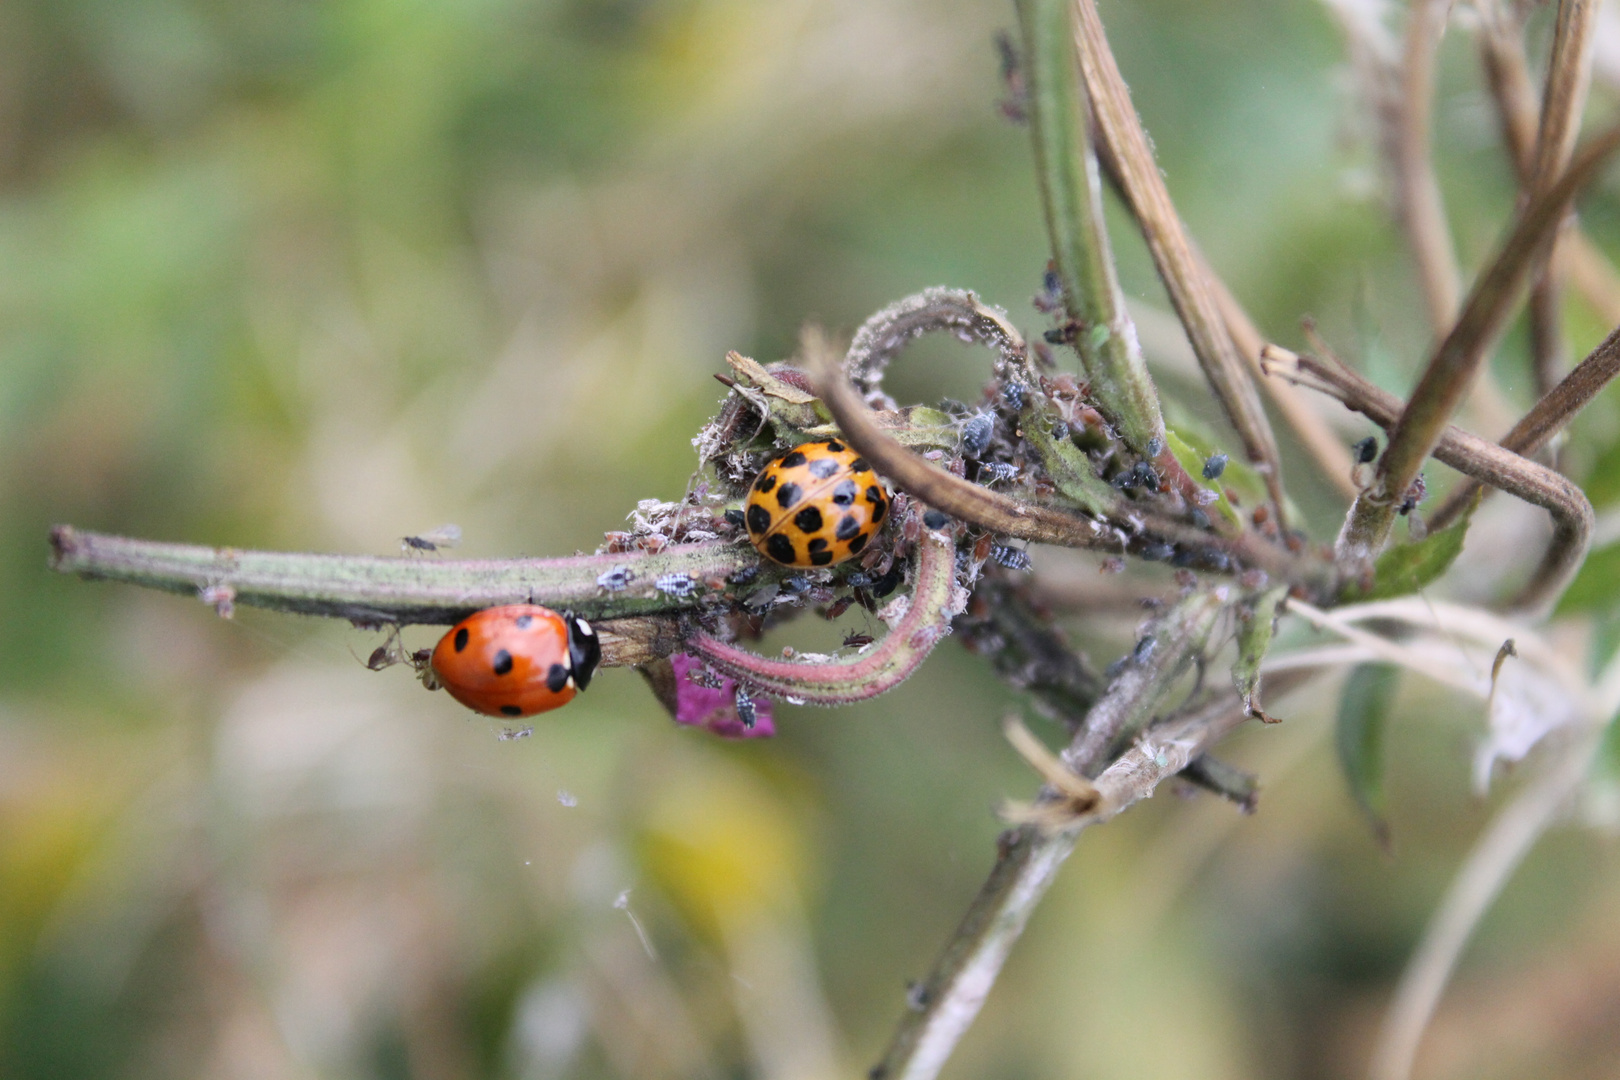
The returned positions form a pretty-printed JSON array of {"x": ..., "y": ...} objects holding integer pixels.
[
  {"x": 1071, "y": 195},
  {"x": 1028, "y": 857},
  {"x": 1456, "y": 361}
]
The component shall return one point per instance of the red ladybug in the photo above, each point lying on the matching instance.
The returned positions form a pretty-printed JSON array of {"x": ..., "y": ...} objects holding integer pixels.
[{"x": 517, "y": 660}]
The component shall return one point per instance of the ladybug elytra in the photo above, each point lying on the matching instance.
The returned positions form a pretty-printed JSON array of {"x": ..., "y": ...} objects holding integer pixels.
[
  {"x": 815, "y": 505},
  {"x": 517, "y": 659}
]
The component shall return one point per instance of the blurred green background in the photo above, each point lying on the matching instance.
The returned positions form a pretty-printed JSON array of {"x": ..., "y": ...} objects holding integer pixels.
[{"x": 288, "y": 274}]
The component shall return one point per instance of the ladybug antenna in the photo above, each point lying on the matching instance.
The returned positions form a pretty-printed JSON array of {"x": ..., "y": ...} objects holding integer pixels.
[{"x": 584, "y": 649}]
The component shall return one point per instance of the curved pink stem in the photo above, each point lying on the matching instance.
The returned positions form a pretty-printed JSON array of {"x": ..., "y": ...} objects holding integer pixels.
[{"x": 934, "y": 600}]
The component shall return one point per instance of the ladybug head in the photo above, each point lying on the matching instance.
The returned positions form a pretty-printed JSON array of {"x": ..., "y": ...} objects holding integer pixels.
[{"x": 584, "y": 649}]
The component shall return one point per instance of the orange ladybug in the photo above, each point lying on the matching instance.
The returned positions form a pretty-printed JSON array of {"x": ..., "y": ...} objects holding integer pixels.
[
  {"x": 517, "y": 660},
  {"x": 815, "y": 505}
]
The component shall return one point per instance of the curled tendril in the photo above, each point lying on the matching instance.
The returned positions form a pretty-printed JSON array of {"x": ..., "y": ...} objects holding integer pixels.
[
  {"x": 935, "y": 598},
  {"x": 882, "y": 337}
]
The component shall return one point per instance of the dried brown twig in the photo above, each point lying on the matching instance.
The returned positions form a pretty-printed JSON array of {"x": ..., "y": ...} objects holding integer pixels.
[
  {"x": 1456, "y": 361},
  {"x": 1476, "y": 457},
  {"x": 1332, "y": 457},
  {"x": 1544, "y": 420},
  {"x": 1569, "y": 73},
  {"x": 1418, "y": 198},
  {"x": 1507, "y": 72},
  {"x": 1179, "y": 265}
]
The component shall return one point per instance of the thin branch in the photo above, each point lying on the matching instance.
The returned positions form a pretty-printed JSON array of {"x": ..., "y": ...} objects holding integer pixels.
[
  {"x": 1009, "y": 624},
  {"x": 373, "y": 590},
  {"x": 1071, "y": 193},
  {"x": 1569, "y": 73},
  {"x": 1417, "y": 191},
  {"x": 1397, "y": 84},
  {"x": 1182, "y": 633},
  {"x": 1028, "y": 860},
  {"x": 880, "y": 669},
  {"x": 1545, "y": 418},
  {"x": 1179, "y": 266},
  {"x": 1498, "y": 853},
  {"x": 1457, "y": 359},
  {"x": 1507, "y": 71},
  {"x": 1466, "y": 452}
]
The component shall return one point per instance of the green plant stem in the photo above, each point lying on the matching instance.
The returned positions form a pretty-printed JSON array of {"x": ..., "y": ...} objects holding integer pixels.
[
  {"x": 1071, "y": 194},
  {"x": 1179, "y": 265},
  {"x": 371, "y": 589}
]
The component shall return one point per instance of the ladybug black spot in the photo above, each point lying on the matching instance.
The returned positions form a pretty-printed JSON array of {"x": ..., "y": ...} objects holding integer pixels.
[
  {"x": 857, "y": 544},
  {"x": 523, "y": 622},
  {"x": 792, "y": 459},
  {"x": 821, "y": 468},
  {"x": 808, "y": 519},
  {"x": 511, "y": 710},
  {"x": 848, "y": 527},
  {"x": 835, "y": 446},
  {"x": 780, "y": 548},
  {"x": 556, "y": 678},
  {"x": 758, "y": 519},
  {"x": 503, "y": 662},
  {"x": 461, "y": 639},
  {"x": 820, "y": 558},
  {"x": 860, "y": 465},
  {"x": 787, "y": 495},
  {"x": 844, "y": 493},
  {"x": 879, "y": 508},
  {"x": 818, "y": 544},
  {"x": 766, "y": 481}
]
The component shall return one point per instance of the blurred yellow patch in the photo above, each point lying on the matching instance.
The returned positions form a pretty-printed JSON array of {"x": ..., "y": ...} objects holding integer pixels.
[{"x": 723, "y": 845}]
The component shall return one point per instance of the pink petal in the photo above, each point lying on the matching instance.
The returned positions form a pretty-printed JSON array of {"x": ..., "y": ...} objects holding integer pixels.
[{"x": 715, "y": 707}]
